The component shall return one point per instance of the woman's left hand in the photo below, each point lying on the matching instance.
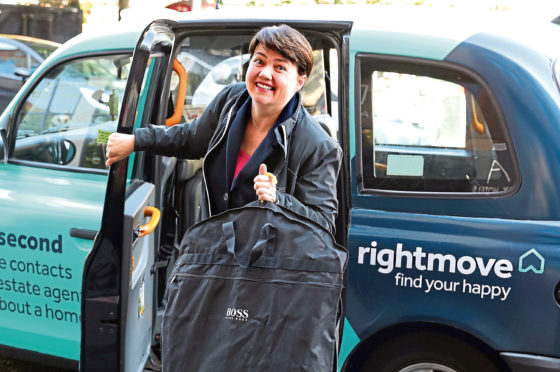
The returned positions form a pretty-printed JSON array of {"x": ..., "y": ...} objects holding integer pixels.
[{"x": 265, "y": 185}]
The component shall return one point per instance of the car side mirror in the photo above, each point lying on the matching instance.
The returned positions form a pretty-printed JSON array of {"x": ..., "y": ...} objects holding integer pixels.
[
  {"x": 3, "y": 146},
  {"x": 66, "y": 151},
  {"x": 23, "y": 73}
]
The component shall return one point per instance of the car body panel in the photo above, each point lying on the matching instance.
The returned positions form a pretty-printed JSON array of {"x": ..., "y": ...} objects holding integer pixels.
[
  {"x": 49, "y": 323},
  {"x": 501, "y": 321}
]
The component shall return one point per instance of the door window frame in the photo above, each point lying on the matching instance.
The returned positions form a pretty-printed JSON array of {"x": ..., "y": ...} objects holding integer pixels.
[{"x": 421, "y": 65}]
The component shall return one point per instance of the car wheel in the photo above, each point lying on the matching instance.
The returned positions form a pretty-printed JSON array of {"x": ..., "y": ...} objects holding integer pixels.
[{"x": 427, "y": 352}]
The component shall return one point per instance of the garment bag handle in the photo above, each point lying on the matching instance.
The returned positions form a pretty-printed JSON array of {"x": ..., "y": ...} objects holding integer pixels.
[{"x": 265, "y": 244}]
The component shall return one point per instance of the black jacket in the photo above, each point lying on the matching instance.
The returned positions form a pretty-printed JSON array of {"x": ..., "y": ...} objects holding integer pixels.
[{"x": 301, "y": 155}]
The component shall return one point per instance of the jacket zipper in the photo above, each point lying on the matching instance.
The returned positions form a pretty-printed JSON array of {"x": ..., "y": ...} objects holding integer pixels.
[
  {"x": 285, "y": 141},
  {"x": 284, "y": 148},
  {"x": 204, "y": 161},
  {"x": 275, "y": 281}
]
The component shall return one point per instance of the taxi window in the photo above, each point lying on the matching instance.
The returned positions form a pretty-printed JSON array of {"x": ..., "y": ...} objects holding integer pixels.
[
  {"x": 144, "y": 112},
  {"x": 213, "y": 62},
  {"x": 60, "y": 121},
  {"x": 428, "y": 129}
]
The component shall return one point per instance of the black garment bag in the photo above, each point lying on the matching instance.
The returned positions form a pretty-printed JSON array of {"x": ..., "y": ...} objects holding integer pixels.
[{"x": 256, "y": 288}]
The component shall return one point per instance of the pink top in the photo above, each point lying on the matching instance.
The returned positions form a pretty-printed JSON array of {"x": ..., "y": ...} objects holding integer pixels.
[{"x": 242, "y": 159}]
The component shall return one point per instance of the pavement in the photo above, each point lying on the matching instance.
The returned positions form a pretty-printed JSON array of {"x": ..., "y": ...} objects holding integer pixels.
[{"x": 11, "y": 365}]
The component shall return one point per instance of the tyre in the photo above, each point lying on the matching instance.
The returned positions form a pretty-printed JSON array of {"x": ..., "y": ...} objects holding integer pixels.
[{"x": 427, "y": 352}]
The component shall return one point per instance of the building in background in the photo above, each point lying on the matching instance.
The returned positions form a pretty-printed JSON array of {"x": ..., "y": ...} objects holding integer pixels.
[{"x": 45, "y": 22}]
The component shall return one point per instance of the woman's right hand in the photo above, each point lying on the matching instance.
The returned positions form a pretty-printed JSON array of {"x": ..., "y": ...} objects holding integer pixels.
[{"x": 119, "y": 146}]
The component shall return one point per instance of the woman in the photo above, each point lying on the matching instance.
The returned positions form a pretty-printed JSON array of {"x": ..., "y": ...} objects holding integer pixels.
[{"x": 253, "y": 128}]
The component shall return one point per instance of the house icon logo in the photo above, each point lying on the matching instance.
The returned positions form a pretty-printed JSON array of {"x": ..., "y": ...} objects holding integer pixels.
[{"x": 531, "y": 261}]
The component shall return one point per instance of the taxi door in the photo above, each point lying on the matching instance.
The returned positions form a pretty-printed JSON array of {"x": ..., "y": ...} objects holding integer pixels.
[
  {"x": 116, "y": 333},
  {"x": 118, "y": 282}
]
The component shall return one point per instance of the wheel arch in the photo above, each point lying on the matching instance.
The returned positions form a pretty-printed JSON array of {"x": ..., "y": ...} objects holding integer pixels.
[{"x": 360, "y": 353}]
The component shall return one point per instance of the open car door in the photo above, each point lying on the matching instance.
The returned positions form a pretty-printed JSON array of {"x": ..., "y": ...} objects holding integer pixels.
[
  {"x": 119, "y": 301},
  {"x": 118, "y": 280}
]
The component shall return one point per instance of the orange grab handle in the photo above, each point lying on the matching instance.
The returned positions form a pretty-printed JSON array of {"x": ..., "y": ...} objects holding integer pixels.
[
  {"x": 476, "y": 123},
  {"x": 155, "y": 215},
  {"x": 181, "y": 94}
]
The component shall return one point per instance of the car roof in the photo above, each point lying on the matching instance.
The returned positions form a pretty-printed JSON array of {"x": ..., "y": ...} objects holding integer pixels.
[
  {"x": 30, "y": 39},
  {"x": 434, "y": 33},
  {"x": 38, "y": 48},
  {"x": 435, "y": 30},
  {"x": 117, "y": 38},
  {"x": 408, "y": 31},
  {"x": 430, "y": 33},
  {"x": 8, "y": 43}
]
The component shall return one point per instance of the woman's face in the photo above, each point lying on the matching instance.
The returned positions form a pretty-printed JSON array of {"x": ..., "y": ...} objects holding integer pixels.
[{"x": 271, "y": 79}]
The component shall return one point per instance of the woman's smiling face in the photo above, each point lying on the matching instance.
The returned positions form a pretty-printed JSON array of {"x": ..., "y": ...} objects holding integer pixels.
[{"x": 272, "y": 80}]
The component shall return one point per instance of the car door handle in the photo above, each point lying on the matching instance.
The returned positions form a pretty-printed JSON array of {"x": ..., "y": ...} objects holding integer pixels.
[
  {"x": 83, "y": 233},
  {"x": 154, "y": 215},
  {"x": 181, "y": 94}
]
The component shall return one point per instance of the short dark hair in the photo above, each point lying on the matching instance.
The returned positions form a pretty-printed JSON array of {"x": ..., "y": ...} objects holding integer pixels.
[{"x": 288, "y": 42}]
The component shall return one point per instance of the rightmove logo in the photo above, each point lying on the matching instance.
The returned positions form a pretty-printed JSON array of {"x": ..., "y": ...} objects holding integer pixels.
[
  {"x": 531, "y": 261},
  {"x": 387, "y": 260}
]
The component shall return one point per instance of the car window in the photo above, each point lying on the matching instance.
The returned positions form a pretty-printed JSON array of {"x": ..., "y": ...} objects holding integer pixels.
[
  {"x": 34, "y": 63},
  {"x": 43, "y": 49},
  {"x": 426, "y": 129},
  {"x": 77, "y": 101},
  {"x": 11, "y": 58},
  {"x": 214, "y": 62},
  {"x": 145, "y": 111}
]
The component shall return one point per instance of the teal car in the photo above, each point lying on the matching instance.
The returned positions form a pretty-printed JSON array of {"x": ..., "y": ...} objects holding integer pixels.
[{"x": 448, "y": 201}]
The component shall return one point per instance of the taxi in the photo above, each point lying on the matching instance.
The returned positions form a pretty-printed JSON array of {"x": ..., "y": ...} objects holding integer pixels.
[{"x": 448, "y": 201}]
